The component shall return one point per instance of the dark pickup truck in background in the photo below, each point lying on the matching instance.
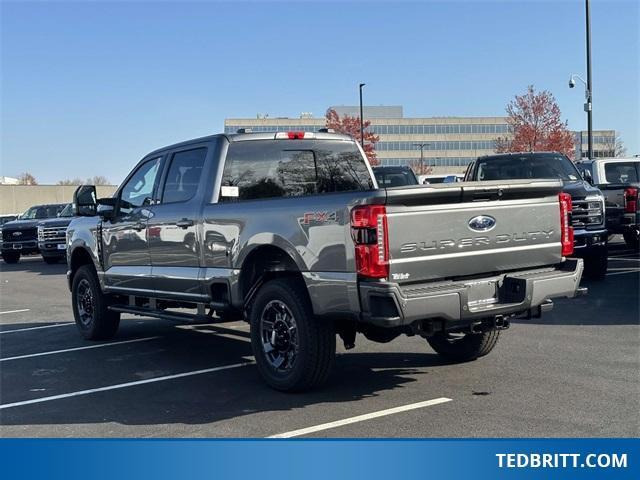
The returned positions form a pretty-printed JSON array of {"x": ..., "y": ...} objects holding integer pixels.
[
  {"x": 291, "y": 232},
  {"x": 20, "y": 237},
  {"x": 588, "y": 213},
  {"x": 619, "y": 181},
  {"x": 52, "y": 235}
]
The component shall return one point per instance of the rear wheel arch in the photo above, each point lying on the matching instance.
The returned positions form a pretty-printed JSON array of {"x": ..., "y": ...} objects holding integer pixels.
[{"x": 264, "y": 263}]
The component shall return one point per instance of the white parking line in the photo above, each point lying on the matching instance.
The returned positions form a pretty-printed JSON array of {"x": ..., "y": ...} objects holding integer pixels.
[
  {"x": 53, "y": 352},
  {"x": 14, "y": 311},
  {"x": 622, "y": 273},
  {"x": 361, "y": 418},
  {"x": 123, "y": 385},
  {"x": 36, "y": 328}
]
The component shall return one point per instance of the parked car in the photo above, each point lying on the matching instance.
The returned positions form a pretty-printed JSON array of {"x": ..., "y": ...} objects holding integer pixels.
[
  {"x": 4, "y": 219},
  {"x": 52, "y": 235},
  {"x": 588, "y": 212},
  {"x": 20, "y": 237},
  {"x": 394, "y": 176},
  {"x": 619, "y": 181},
  {"x": 293, "y": 234}
]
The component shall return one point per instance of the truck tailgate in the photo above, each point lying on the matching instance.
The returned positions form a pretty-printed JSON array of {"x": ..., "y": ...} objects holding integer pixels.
[{"x": 465, "y": 229}]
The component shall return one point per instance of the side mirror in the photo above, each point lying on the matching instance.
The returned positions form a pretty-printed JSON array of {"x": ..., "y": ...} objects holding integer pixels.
[
  {"x": 586, "y": 174},
  {"x": 107, "y": 208},
  {"x": 85, "y": 202}
]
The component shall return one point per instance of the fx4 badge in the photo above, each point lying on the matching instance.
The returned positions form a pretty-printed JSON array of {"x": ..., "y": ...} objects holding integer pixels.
[{"x": 310, "y": 218}]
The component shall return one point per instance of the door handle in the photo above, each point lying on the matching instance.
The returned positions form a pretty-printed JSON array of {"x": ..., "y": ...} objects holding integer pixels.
[
  {"x": 184, "y": 223},
  {"x": 138, "y": 227}
]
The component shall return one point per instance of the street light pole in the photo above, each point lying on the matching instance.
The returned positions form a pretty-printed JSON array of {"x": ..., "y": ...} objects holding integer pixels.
[
  {"x": 588, "y": 104},
  {"x": 361, "y": 117},
  {"x": 421, "y": 147}
]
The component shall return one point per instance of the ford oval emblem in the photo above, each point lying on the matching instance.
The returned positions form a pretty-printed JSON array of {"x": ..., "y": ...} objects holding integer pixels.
[
  {"x": 17, "y": 234},
  {"x": 482, "y": 223}
]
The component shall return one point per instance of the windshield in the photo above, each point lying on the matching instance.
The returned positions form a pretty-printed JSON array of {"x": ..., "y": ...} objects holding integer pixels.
[
  {"x": 526, "y": 166},
  {"x": 395, "y": 177},
  {"x": 41, "y": 212},
  {"x": 67, "y": 211}
]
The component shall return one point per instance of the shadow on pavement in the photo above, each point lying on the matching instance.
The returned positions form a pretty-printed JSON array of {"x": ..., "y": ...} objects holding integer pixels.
[
  {"x": 199, "y": 399},
  {"x": 36, "y": 265}
]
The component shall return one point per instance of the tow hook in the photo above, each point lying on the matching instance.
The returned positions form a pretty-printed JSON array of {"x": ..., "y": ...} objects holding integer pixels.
[
  {"x": 501, "y": 323},
  {"x": 476, "y": 327}
]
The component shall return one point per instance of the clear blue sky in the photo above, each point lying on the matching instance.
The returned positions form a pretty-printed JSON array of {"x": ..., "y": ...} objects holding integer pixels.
[{"x": 88, "y": 88}]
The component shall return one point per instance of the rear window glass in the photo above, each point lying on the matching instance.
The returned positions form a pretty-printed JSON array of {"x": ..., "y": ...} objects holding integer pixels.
[
  {"x": 394, "y": 178},
  {"x": 526, "y": 167},
  {"x": 619, "y": 172},
  {"x": 283, "y": 168}
]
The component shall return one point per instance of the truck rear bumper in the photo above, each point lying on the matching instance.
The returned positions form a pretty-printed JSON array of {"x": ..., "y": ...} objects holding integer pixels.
[{"x": 391, "y": 305}]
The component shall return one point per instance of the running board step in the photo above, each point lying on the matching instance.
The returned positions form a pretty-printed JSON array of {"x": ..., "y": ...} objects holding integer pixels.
[{"x": 163, "y": 314}]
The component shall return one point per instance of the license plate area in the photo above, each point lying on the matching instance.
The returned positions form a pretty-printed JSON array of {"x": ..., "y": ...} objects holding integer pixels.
[
  {"x": 61, "y": 246},
  {"x": 17, "y": 246},
  {"x": 482, "y": 293}
]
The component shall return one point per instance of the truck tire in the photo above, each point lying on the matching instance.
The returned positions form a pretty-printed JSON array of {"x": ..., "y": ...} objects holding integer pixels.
[
  {"x": 11, "y": 257},
  {"x": 632, "y": 240},
  {"x": 90, "y": 306},
  {"x": 51, "y": 260},
  {"x": 464, "y": 347},
  {"x": 595, "y": 266},
  {"x": 293, "y": 349}
]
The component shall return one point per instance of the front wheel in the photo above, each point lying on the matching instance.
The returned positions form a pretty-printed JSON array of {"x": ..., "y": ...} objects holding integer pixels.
[
  {"x": 11, "y": 257},
  {"x": 294, "y": 350},
  {"x": 464, "y": 347},
  {"x": 90, "y": 306}
]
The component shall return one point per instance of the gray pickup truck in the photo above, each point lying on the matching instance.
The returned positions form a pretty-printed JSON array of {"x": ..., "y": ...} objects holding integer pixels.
[
  {"x": 619, "y": 181},
  {"x": 291, "y": 232}
]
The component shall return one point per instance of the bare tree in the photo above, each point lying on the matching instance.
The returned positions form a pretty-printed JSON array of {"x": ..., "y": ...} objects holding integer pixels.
[
  {"x": 614, "y": 147},
  {"x": 97, "y": 180},
  {"x": 27, "y": 178},
  {"x": 74, "y": 181}
]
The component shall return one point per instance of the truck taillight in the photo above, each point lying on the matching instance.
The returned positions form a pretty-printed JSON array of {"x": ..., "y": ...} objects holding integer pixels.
[
  {"x": 630, "y": 200},
  {"x": 566, "y": 229},
  {"x": 369, "y": 233}
]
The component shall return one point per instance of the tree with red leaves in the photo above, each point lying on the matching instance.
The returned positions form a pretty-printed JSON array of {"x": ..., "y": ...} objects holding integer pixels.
[
  {"x": 536, "y": 125},
  {"x": 351, "y": 126}
]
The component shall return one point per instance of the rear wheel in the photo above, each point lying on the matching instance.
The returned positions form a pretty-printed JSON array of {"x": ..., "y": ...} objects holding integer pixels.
[
  {"x": 294, "y": 350},
  {"x": 90, "y": 306},
  {"x": 11, "y": 257},
  {"x": 632, "y": 239},
  {"x": 464, "y": 347}
]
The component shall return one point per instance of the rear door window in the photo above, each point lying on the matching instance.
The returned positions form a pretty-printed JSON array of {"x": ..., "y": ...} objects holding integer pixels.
[
  {"x": 621, "y": 172},
  {"x": 184, "y": 175}
]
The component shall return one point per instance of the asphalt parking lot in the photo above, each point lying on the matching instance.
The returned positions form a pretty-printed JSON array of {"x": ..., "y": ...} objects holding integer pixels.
[{"x": 575, "y": 372}]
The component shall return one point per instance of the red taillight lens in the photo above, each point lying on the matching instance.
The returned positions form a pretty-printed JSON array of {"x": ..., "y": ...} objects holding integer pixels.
[
  {"x": 295, "y": 135},
  {"x": 630, "y": 200},
  {"x": 566, "y": 229},
  {"x": 369, "y": 233}
]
